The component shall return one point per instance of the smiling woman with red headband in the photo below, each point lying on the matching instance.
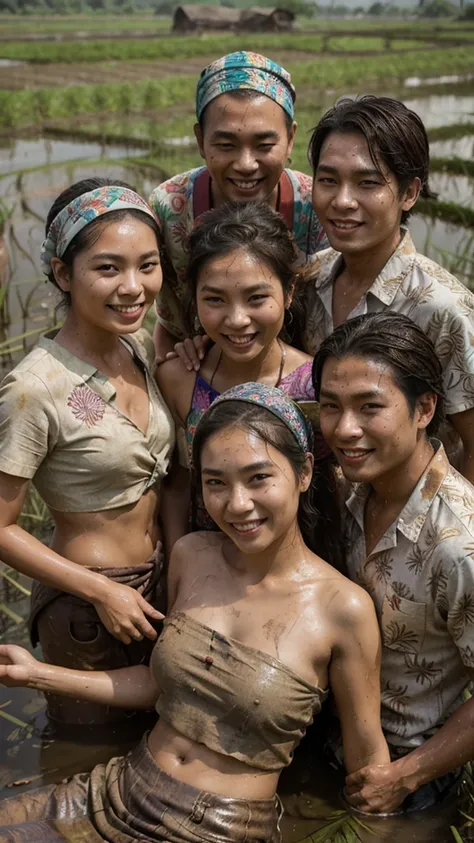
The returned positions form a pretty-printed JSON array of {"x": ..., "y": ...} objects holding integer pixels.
[{"x": 82, "y": 417}]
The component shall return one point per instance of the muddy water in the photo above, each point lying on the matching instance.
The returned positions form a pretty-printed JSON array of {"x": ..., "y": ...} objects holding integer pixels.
[{"x": 29, "y": 754}]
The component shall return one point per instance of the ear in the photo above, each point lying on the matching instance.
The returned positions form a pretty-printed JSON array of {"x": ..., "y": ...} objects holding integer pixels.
[
  {"x": 291, "y": 136},
  {"x": 61, "y": 274},
  {"x": 199, "y": 138},
  {"x": 307, "y": 473},
  {"x": 425, "y": 409},
  {"x": 411, "y": 194},
  {"x": 289, "y": 294}
]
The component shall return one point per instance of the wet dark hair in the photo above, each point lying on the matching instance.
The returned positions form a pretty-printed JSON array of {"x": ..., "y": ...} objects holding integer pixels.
[
  {"x": 320, "y": 532},
  {"x": 398, "y": 342},
  {"x": 91, "y": 233},
  {"x": 395, "y": 136},
  {"x": 252, "y": 226},
  {"x": 246, "y": 93}
]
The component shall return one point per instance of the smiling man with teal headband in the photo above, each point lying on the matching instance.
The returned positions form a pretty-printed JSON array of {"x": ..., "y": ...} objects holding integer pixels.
[{"x": 245, "y": 133}]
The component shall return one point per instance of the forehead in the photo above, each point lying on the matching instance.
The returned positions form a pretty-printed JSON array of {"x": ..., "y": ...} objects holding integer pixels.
[
  {"x": 235, "y": 270},
  {"x": 353, "y": 375},
  {"x": 233, "y": 448},
  {"x": 244, "y": 114},
  {"x": 349, "y": 150},
  {"x": 126, "y": 236}
]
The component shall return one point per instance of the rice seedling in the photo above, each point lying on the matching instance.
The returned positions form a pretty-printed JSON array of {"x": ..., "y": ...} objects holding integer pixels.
[{"x": 455, "y": 166}]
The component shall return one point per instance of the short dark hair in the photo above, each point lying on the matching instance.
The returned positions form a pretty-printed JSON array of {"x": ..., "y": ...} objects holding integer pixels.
[
  {"x": 317, "y": 518},
  {"x": 252, "y": 226},
  {"x": 246, "y": 93},
  {"x": 395, "y": 136},
  {"x": 91, "y": 233},
  {"x": 395, "y": 340}
]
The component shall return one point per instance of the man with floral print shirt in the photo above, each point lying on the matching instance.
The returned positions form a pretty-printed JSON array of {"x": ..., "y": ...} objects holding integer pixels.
[
  {"x": 371, "y": 158},
  {"x": 408, "y": 527},
  {"x": 245, "y": 133}
]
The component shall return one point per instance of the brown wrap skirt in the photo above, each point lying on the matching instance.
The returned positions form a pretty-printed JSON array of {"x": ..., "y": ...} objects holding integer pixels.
[
  {"x": 131, "y": 798},
  {"x": 72, "y": 635}
]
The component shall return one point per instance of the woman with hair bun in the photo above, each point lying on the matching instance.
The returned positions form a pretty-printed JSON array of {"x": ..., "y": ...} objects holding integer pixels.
[{"x": 82, "y": 418}]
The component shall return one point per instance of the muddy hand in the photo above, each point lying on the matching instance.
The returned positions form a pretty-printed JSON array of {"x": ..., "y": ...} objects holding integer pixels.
[
  {"x": 17, "y": 666},
  {"x": 123, "y": 612}
]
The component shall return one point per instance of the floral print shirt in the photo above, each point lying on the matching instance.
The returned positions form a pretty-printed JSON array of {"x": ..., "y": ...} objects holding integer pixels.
[
  {"x": 421, "y": 289},
  {"x": 181, "y": 200},
  {"x": 60, "y": 427},
  {"x": 421, "y": 579}
]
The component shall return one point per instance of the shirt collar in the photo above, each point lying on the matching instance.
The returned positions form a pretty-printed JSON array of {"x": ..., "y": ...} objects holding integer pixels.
[
  {"x": 388, "y": 281},
  {"x": 411, "y": 520}
]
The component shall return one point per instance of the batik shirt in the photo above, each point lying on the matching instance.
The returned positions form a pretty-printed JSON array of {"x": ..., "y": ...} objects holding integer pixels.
[
  {"x": 417, "y": 287},
  {"x": 421, "y": 579},
  {"x": 180, "y": 201}
]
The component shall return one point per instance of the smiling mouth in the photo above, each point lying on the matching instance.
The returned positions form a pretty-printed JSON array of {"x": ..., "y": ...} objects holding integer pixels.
[
  {"x": 242, "y": 340},
  {"x": 248, "y": 526},
  {"x": 127, "y": 308},
  {"x": 355, "y": 453},
  {"x": 249, "y": 184},
  {"x": 345, "y": 225}
]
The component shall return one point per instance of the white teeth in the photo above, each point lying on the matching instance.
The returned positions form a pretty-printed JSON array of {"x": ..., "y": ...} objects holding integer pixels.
[
  {"x": 353, "y": 453},
  {"x": 241, "y": 340},
  {"x": 245, "y": 185},
  {"x": 126, "y": 308},
  {"x": 245, "y": 528},
  {"x": 346, "y": 225}
]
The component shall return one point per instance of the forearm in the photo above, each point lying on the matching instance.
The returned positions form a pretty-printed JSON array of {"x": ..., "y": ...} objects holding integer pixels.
[
  {"x": 451, "y": 747},
  {"x": 28, "y": 555},
  {"x": 128, "y": 687},
  {"x": 362, "y": 748}
]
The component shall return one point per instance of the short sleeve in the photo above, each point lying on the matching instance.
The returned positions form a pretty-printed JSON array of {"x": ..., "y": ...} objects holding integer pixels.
[
  {"x": 455, "y": 600},
  {"x": 452, "y": 333},
  {"x": 28, "y": 424}
]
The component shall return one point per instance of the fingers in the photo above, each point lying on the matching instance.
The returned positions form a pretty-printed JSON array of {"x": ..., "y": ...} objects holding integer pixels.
[
  {"x": 186, "y": 350},
  {"x": 149, "y": 610},
  {"x": 144, "y": 628}
]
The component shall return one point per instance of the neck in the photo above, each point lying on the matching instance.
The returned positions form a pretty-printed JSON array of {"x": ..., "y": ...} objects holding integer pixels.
[
  {"x": 265, "y": 366},
  {"x": 364, "y": 268},
  {"x": 86, "y": 341},
  {"x": 287, "y": 558},
  {"x": 395, "y": 487}
]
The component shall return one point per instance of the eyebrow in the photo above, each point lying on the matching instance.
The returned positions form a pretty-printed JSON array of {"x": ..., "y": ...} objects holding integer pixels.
[
  {"x": 254, "y": 466},
  {"x": 109, "y": 256},
  {"x": 363, "y": 171},
  {"x": 371, "y": 393},
  {"x": 219, "y": 134},
  {"x": 208, "y": 288}
]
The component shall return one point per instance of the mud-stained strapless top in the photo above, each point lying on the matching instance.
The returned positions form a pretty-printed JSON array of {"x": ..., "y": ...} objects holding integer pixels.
[{"x": 230, "y": 697}]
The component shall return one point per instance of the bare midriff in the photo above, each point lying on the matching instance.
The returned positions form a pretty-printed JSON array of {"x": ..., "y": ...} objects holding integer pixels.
[
  {"x": 194, "y": 764},
  {"x": 114, "y": 538}
]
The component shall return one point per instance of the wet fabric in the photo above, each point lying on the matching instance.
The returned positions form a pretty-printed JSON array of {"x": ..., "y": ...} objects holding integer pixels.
[
  {"x": 61, "y": 428},
  {"x": 84, "y": 210},
  {"x": 132, "y": 799},
  {"x": 421, "y": 579},
  {"x": 234, "y": 699},
  {"x": 180, "y": 201},
  {"x": 245, "y": 70},
  {"x": 72, "y": 635}
]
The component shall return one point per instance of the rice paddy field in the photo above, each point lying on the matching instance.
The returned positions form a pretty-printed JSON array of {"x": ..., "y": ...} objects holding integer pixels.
[{"x": 98, "y": 95}]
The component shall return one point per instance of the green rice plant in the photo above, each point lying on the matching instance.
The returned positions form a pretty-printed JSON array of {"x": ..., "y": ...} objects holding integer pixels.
[
  {"x": 456, "y": 166},
  {"x": 451, "y": 132},
  {"x": 447, "y": 211}
]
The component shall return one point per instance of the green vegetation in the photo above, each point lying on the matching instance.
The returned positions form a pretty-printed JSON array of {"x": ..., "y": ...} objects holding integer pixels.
[
  {"x": 446, "y": 211},
  {"x": 455, "y": 166}
]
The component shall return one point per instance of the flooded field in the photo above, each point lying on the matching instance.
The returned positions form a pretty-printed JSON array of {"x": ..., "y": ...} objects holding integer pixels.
[{"x": 34, "y": 168}]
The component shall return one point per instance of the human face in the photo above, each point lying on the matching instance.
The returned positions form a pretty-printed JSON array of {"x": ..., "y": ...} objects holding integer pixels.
[
  {"x": 358, "y": 201},
  {"x": 249, "y": 489},
  {"x": 114, "y": 281},
  {"x": 366, "y": 420},
  {"x": 246, "y": 144},
  {"x": 240, "y": 304}
]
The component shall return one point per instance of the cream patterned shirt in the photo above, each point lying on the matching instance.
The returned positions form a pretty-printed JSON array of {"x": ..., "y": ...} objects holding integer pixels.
[
  {"x": 421, "y": 578},
  {"x": 417, "y": 287}
]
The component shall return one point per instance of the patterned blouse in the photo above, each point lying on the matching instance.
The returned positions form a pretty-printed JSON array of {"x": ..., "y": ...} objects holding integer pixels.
[
  {"x": 181, "y": 200},
  {"x": 421, "y": 579},
  {"x": 60, "y": 426}
]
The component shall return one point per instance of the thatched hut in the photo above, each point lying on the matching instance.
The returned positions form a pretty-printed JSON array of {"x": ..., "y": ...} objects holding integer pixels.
[
  {"x": 263, "y": 19},
  {"x": 188, "y": 19}
]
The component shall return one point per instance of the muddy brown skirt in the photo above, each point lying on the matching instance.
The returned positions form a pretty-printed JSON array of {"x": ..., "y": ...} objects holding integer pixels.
[
  {"x": 72, "y": 635},
  {"x": 132, "y": 799}
]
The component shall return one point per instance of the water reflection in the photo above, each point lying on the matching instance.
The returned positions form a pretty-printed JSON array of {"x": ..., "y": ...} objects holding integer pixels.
[
  {"x": 442, "y": 109},
  {"x": 451, "y": 188}
]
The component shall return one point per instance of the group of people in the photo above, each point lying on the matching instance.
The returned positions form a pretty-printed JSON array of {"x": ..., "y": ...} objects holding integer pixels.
[{"x": 254, "y": 518}]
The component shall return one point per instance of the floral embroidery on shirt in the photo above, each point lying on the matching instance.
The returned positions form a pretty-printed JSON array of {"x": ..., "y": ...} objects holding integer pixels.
[{"x": 86, "y": 405}]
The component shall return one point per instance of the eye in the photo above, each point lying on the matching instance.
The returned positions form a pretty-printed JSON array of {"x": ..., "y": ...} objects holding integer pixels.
[
  {"x": 369, "y": 183},
  {"x": 372, "y": 406},
  {"x": 258, "y": 297},
  {"x": 149, "y": 266},
  {"x": 259, "y": 478},
  {"x": 266, "y": 147},
  {"x": 225, "y": 146},
  {"x": 213, "y": 481},
  {"x": 327, "y": 405},
  {"x": 213, "y": 299},
  {"x": 326, "y": 180},
  {"x": 107, "y": 267}
]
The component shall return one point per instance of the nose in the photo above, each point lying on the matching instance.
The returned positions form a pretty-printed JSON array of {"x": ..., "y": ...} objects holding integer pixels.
[
  {"x": 130, "y": 283},
  {"x": 239, "y": 502},
  {"x": 344, "y": 198},
  {"x": 246, "y": 162},
  {"x": 237, "y": 318},
  {"x": 348, "y": 427}
]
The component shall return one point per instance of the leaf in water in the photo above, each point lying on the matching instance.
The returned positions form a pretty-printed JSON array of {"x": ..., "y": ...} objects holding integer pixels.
[
  {"x": 456, "y": 834},
  {"x": 328, "y": 833},
  {"x": 13, "y": 736}
]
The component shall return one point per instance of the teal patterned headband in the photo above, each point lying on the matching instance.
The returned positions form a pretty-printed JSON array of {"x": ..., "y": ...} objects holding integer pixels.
[
  {"x": 242, "y": 70},
  {"x": 274, "y": 400}
]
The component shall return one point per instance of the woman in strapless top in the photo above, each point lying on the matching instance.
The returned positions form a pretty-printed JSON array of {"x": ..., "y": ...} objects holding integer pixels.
[
  {"x": 259, "y": 628},
  {"x": 82, "y": 418},
  {"x": 241, "y": 281}
]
